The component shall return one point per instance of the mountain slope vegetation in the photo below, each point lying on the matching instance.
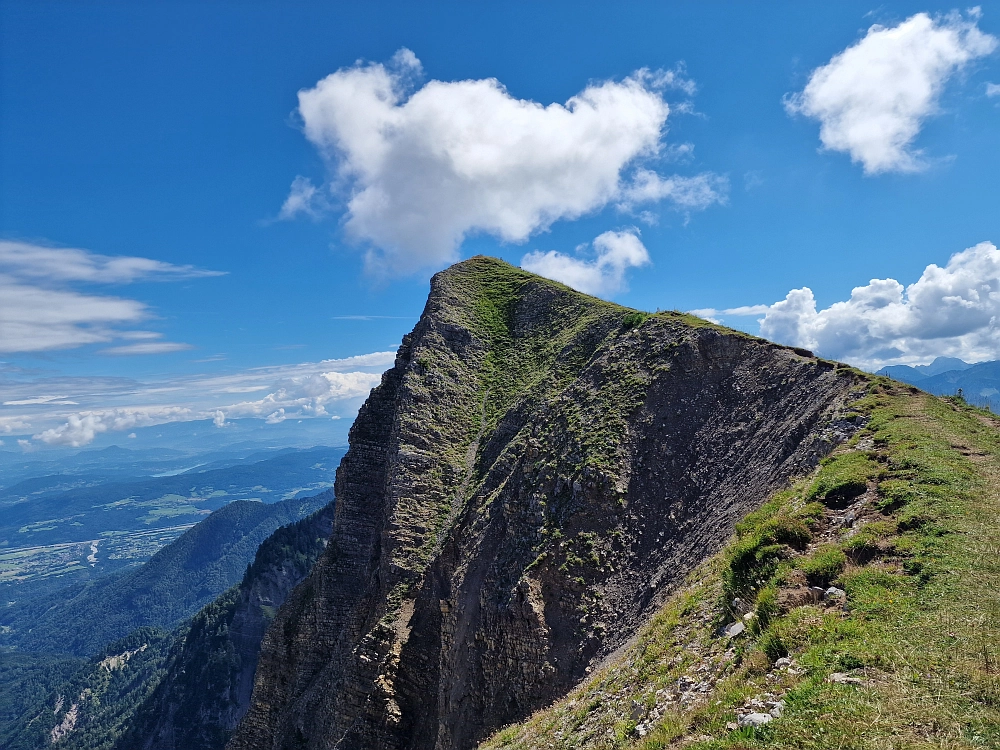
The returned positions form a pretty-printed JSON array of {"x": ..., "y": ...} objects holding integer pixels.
[
  {"x": 184, "y": 689},
  {"x": 209, "y": 673}
]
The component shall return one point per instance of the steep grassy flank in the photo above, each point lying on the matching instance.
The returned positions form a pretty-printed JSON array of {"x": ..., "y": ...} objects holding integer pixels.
[
  {"x": 27, "y": 680},
  {"x": 210, "y": 667},
  {"x": 904, "y": 521}
]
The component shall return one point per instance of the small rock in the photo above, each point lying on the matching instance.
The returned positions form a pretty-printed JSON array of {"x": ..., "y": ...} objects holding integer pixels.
[
  {"x": 748, "y": 616},
  {"x": 778, "y": 709},
  {"x": 755, "y": 720},
  {"x": 638, "y": 710},
  {"x": 641, "y": 730},
  {"x": 783, "y": 663},
  {"x": 842, "y": 678},
  {"x": 733, "y": 629},
  {"x": 732, "y": 726},
  {"x": 834, "y": 593},
  {"x": 850, "y": 518}
]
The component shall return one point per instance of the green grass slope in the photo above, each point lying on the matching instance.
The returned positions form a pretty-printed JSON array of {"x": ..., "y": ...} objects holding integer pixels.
[{"x": 905, "y": 654}]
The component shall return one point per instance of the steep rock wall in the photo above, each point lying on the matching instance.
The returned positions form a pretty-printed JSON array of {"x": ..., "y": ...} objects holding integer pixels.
[{"x": 526, "y": 484}]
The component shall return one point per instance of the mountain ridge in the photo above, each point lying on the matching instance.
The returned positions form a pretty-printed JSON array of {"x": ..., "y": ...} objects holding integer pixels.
[{"x": 503, "y": 488}]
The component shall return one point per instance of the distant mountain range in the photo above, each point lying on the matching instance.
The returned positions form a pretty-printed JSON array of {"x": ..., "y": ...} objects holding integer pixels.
[{"x": 945, "y": 376}]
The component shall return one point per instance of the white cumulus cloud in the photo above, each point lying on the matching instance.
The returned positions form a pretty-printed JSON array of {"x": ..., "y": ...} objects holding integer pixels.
[
  {"x": 601, "y": 275},
  {"x": 951, "y": 311},
  {"x": 10, "y": 425},
  {"x": 992, "y": 89},
  {"x": 425, "y": 167},
  {"x": 872, "y": 99}
]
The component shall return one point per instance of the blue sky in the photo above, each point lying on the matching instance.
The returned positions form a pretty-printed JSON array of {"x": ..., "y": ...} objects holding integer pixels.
[{"x": 172, "y": 132}]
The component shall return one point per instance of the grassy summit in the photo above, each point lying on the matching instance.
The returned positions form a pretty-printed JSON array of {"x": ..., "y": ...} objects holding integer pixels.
[{"x": 903, "y": 520}]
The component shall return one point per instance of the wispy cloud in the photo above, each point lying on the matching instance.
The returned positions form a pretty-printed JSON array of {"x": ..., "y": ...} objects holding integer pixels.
[
  {"x": 689, "y": 193},
  {"x": 62, "y": 264},
  {"x": 304, "y": 198},
  {"x": 40, "y": 310},
  {"x": 74, "y": 411},
  {"x": 153, "y": 347},
  {"x": 710, "y": 313},
  {"x": 62, "y": 400}
]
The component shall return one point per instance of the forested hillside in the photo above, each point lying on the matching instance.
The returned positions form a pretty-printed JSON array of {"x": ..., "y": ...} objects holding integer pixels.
[
  {"x": 178, "y": 580},
  {"x": 184, "y": 689}
]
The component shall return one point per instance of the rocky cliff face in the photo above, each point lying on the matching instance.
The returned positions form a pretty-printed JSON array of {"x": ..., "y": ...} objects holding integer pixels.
[
  {"x": 210, "y": 670},
  {"x": 527, "y": 483}
]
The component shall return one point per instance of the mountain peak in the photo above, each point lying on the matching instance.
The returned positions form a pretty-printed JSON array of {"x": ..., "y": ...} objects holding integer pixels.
[
  {"x": 942, "y": 364},
  {"x": 531, "y": 451}
]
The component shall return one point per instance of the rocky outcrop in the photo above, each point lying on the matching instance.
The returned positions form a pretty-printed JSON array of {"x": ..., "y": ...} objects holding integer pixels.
[
  {"x": 210, "y": 669},
  {"x": 526, "y": 485}
]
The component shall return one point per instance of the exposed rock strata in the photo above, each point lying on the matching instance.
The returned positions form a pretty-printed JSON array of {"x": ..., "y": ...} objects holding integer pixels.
[{"x": 523, "y": 488}]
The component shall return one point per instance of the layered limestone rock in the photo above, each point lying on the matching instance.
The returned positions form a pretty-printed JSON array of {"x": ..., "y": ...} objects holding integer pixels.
[{"x": 523, "y": 489}]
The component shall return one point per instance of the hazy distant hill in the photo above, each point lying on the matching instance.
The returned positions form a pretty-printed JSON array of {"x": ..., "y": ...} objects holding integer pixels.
[
  {"x": 84, "y": 513},
  {"x": 182, "y": 690},
  {"x": 916, "y": 374},
  {"x": 175, "y": 583},
  {"x": 979, "y": 383}
]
